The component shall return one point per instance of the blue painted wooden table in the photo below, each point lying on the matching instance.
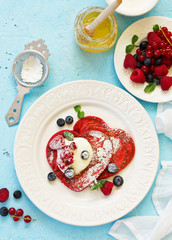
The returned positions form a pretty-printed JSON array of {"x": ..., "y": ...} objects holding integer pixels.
[{"x": 24, "y": 21}]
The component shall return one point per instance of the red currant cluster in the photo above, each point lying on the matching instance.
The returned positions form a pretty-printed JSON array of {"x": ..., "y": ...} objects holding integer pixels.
[
  {"x": 4, "y": 211},
  {"x": 156, "y": 53}
]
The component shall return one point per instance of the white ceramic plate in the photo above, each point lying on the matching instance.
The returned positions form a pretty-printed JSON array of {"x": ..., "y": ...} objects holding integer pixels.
[
  {"x": 134, "y": 7},
  {"x": 118, "y": 109},
  {"x": 141, "y": 29}
]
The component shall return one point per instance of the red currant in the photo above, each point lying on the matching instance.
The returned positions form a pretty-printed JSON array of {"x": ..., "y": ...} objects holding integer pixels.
[
  {"x": 16, "y": 219},
  {"x": 157, "y": 53},
  {"x": 158, "y": 32},
  {"x": 168, "y": 55},
  {"x": 19, "y": 212},
  {"x": 141, "y": 58},
  {"x": 166, "y": 44},
  {"x": 168, "y": 34},
  {"x": 12, "y": 211},
  {"x": 149, "y": 53},
  {"x": 153, "y": 60},
  {"x": 162, "y": 44},
  {"x": 151, "y": 68},
  {"x": 138, "y": 51},
  {"x": 27, "y": 218},
  {"x": 149, "y": 47},
  {"x": 165, "y": 29},
  {"x": 155, "y": 45},
  {"x": 145, "y": 69},
  {"x": 164, "y": 52}
]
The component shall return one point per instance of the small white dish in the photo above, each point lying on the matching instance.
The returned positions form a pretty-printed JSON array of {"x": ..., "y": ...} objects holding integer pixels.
[
  {"x": 118, "y": 109},
  {"x": 141, "y": 29},
  {"x": 135, "y": 7}
]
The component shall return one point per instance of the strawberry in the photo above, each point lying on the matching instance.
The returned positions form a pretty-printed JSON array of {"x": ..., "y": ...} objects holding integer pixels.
[
  {"x": 137, "y": 76},
  {"x": 166, "y": 83},
  {"x": 107, "y": 188},
  {"x": 4, "y": 194},
  {"x": 153, "y": 37},
  {"x": 129, "y": 61},
  {"x": 161, "y": 70}
]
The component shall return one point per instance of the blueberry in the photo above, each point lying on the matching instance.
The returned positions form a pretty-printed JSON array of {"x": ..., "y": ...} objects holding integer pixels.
[
  {"x": 118, "y": 181},
  {"x": 69, "y": 173},
  {"x": 136, "y": 57},
  {"x": 149, "y": 78},
  {"x": 17, "y": 194},
  {"x": 51, "y": 176},
  {"x": 147, "y": 61},
  {"x": 69, "y": 119},
  {"x": 139, "y": 65},
  {"x": 3, "y": 211},
  {"x": 60, "y": 122},
  {"x": 85, "y": 155},
  {"x": 112, "y": 168},
  {"x": 158, "y": 61},
  {"x": 143, "y": 45},
  {"x": 157, "y": 81}
]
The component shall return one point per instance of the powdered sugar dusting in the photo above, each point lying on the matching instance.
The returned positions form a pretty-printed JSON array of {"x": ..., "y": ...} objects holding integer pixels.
[
  {"x": 115, "y": 144},
  {"x": 51, "y": 157}
]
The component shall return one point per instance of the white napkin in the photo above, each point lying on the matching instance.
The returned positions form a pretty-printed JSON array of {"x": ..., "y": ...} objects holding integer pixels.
[
  {"x": 163, "y": 120},
  {"x": 151, "y": 227}
]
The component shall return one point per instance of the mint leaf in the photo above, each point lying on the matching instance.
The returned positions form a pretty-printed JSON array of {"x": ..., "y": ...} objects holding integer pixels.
[
  {"x": 81, "y": 114},
  {"x": 134, "y": 39},
  {"x": 94, "y": 187},
  {"x": 150, "y": 87},
  {"x": 129, "y": 48},
  {"x": 68, "y": 135},
  {"x": 77, "y": 108},
  {"x": 156, "y": 27},
  {"x": 102, "y": 182}
]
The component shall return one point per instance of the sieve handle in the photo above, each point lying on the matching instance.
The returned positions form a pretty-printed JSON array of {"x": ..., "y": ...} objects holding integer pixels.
[{"x": 13, "y": 114}]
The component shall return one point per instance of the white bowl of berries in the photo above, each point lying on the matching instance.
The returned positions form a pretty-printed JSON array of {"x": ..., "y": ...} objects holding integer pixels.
[{"x": 143, "y": 59}]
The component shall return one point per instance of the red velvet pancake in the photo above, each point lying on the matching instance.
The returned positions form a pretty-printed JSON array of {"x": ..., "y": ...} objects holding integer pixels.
[
  {"x": 96, "y": 166},
  {"x": 126, "y": 148}
]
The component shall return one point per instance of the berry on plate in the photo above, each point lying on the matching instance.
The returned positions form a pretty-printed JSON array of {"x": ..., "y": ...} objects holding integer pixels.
[
  {"x": 69, "y": 119},
  {"x": 60, "y": 122},
  {"x": 51, "y": 176},
  {"x": 4, "y": 194},
  {"x": 107, "y": 188},
  {"x": 161, "y": 70},
  {"x": 166, "y": 83},
  {"x": 153, "y": 38},
  {"x": 118, "y": 181},
  {"x": 130, "y": 61},
  {"x": 137, "y": 76}
]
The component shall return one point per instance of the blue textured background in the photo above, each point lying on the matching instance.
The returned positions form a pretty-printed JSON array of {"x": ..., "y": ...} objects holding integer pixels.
[{"x": 20, "y": 23}]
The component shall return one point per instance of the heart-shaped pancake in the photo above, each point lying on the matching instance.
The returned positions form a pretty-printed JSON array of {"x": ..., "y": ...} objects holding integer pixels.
[
  {"x": 102, "y": 152},
  {"x": 123, "y": 149}
]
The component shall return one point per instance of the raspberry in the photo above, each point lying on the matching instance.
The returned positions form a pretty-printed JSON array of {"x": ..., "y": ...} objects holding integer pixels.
[
  {"x": 137, "y": 76},
  {"x": 73, "y": 146},
  {"x": 57, "y": 142},
  {"x": 161, "y": 70},
  {"x": 107, "y": 188},
  {"x": 167, "y": 62},
  {"x": 129, "y": 61},
  {"x": 166, "y": 83},
  {"x": 153, "y": 37},
  {"x": 4, "y": 194}
]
